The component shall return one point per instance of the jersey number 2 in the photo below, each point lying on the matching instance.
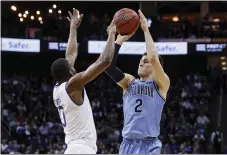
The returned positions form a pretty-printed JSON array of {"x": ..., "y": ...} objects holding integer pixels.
[
  {"x": 139, "y": 104},
  {"x": 62, "y": 115}
]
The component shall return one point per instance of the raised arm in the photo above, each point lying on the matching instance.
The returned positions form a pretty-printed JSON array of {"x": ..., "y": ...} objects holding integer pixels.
[
  {"x": 72, "y": 48},
  {"x": 122, "y": 79},
  {"x": 104, "y": 60},
  {"x": 161, "y": 77}
]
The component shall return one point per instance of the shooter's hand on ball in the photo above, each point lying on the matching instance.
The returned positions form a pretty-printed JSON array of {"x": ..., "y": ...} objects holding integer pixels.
[
  {"x": 112, "y": 27},
  {"x": 75, "y": 19},
  {"x": 122, "y": 38},
  {"x": 143, "y": 21}
]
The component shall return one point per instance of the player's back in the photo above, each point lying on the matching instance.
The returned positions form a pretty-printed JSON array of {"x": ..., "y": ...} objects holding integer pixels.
[
  {"x": 142, "y": 106},
  {"x": 77, "y": 120}
]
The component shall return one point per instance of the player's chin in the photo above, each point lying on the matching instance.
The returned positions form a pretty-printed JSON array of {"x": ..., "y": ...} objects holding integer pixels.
[{"x": 140, "y": 73}]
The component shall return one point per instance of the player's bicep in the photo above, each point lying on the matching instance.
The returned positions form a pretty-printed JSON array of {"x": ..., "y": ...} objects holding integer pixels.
[
  {"x": 161, "y": 77},
  {"x": 125, "y": 82}
]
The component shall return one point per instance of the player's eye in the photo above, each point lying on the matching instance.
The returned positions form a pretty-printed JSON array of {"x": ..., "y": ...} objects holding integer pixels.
[{"x": 145, "y": 61}]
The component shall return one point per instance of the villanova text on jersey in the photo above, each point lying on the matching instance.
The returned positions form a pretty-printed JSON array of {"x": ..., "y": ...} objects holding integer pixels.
[{"x": 142, "y": 106}]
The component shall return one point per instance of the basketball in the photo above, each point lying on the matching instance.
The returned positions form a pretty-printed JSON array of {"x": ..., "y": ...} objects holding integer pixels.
[{"x": 127, "y": 21}]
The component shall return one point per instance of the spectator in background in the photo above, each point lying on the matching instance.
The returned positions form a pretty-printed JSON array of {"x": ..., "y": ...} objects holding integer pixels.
[
  {"x": 216, "y": 141},
  {"x": 4, "y": 146},
  {"x": 183, "y": 131},
  {"x": 202, "y": 119}
]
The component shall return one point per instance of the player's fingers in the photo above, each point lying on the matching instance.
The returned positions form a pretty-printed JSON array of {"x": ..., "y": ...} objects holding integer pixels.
[
  {"x": 74, "y": 12},
  {"x": 114, "y": 22},
  {"x": 108, "y": 28},
  {"x": 141, "y": 20},
  {"x": 141, "y": 14},
  {"x": 80, "y": 19},
  {"x": 78, "y": 13},
  {"x": 130, "y": 35},
  {"x": 69, "y": 19},
  {"x": 70, "y": 14},
  {"x": 81, "y": 16}
]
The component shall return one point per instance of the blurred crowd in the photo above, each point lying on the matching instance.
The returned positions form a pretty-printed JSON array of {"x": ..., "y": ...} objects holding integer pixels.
[
  {"x": 94, "y": 27},
  {"x": 31, "y": 124}
]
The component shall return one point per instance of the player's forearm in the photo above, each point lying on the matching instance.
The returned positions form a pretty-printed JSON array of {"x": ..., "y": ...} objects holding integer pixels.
[
  {"x": 151, "y": 49},
  {"x": 115, "y": 73},
  {"x": 108, "y": 53},
  {"x": 116, "y": 52},
  {"x": 71, "y": 50}
]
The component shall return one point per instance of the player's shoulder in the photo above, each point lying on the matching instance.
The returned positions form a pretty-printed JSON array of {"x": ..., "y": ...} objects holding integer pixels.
[
  {"x": 134, "y": 82},
  {"x": 59, "y": 88}
]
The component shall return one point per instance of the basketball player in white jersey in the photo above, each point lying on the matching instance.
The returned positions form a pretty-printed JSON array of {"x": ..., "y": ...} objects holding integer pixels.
[{"x": 70, "y": 96}]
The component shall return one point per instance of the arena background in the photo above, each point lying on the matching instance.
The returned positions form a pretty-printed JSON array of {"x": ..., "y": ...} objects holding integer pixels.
[{"x": 190, "y": 36}]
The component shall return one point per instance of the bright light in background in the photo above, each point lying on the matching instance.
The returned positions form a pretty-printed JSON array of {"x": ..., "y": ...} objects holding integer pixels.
[
  {"x": 19, "y": 15},
  {"x": 175, "y": 19},
  {"x": 149, "y": 21},
  {"x": 24, "y": 15},
  {"x": 40, "y": 18},
  {"x": 224, "y": 68},
  {"x": 21, "y": 19},
  {"x": 32, "y": 17},
  {"x": 54, "y": 6},
  {"x": 216, "y": 20},
  {"x": 50, "y": 10},
  {"x": 26, "y": 12},
  {"x": 41, "y": 22},
  {"x": 14, "y": 8},
  {"x": 222, "y": 58},
  {"x": 223, "y": 63},
  {"x": 59, "y": 11},
  {"x": 38, "y": 12}
]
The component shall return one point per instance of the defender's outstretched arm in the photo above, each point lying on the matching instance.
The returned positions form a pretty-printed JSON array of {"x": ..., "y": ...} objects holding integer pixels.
[{"x": 72, "y": 48}]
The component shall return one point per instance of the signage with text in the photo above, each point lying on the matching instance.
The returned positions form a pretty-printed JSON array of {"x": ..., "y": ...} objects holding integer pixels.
[
  {"x": 211, "y": 47},
  {"x": 57, "y": 46},
  {"x": 20, "y": 45},
  {"x": 138, "y": 48}
]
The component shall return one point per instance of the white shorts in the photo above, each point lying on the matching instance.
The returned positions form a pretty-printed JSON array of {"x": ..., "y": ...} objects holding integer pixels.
[{"x": 79, "y": 147}]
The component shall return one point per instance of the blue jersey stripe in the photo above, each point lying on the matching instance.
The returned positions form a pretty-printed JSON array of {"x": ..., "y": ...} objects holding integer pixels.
[{"x": 156, "y": 87}]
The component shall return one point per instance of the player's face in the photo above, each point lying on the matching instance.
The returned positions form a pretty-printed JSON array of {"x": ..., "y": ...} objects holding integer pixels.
[{"x": 144, "y": 67}]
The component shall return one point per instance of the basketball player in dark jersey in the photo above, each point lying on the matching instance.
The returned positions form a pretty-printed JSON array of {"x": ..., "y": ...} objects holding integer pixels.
[{"x": 143, "y": 98}]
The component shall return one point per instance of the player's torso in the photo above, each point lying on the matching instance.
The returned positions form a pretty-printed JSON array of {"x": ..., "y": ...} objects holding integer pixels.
[
  {"x": 77, "y": 120},
  {"x": 142, "y": 106}
]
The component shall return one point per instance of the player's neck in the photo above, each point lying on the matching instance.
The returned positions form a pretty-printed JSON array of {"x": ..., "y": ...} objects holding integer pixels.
[{"x": 148, "y": 78}]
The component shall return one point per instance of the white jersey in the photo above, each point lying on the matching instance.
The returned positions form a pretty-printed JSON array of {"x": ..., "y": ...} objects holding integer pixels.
[{"x": 78, "y": 121}]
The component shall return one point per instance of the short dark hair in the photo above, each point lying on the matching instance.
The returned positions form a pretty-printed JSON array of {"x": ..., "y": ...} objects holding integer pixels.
[
  {"x": 160, "y": 59},
  {"x": 60, "y": 70}
]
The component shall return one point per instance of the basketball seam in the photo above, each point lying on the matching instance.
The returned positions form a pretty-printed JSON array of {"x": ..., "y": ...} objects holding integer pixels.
[
  {"x": 136, "y": 25},
  {"x": 123, "y": 13},
  {"x": 126, "y": 22}
]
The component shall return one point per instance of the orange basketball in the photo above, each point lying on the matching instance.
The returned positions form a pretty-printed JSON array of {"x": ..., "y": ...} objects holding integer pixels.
[{"x": 127, "y": 21}]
